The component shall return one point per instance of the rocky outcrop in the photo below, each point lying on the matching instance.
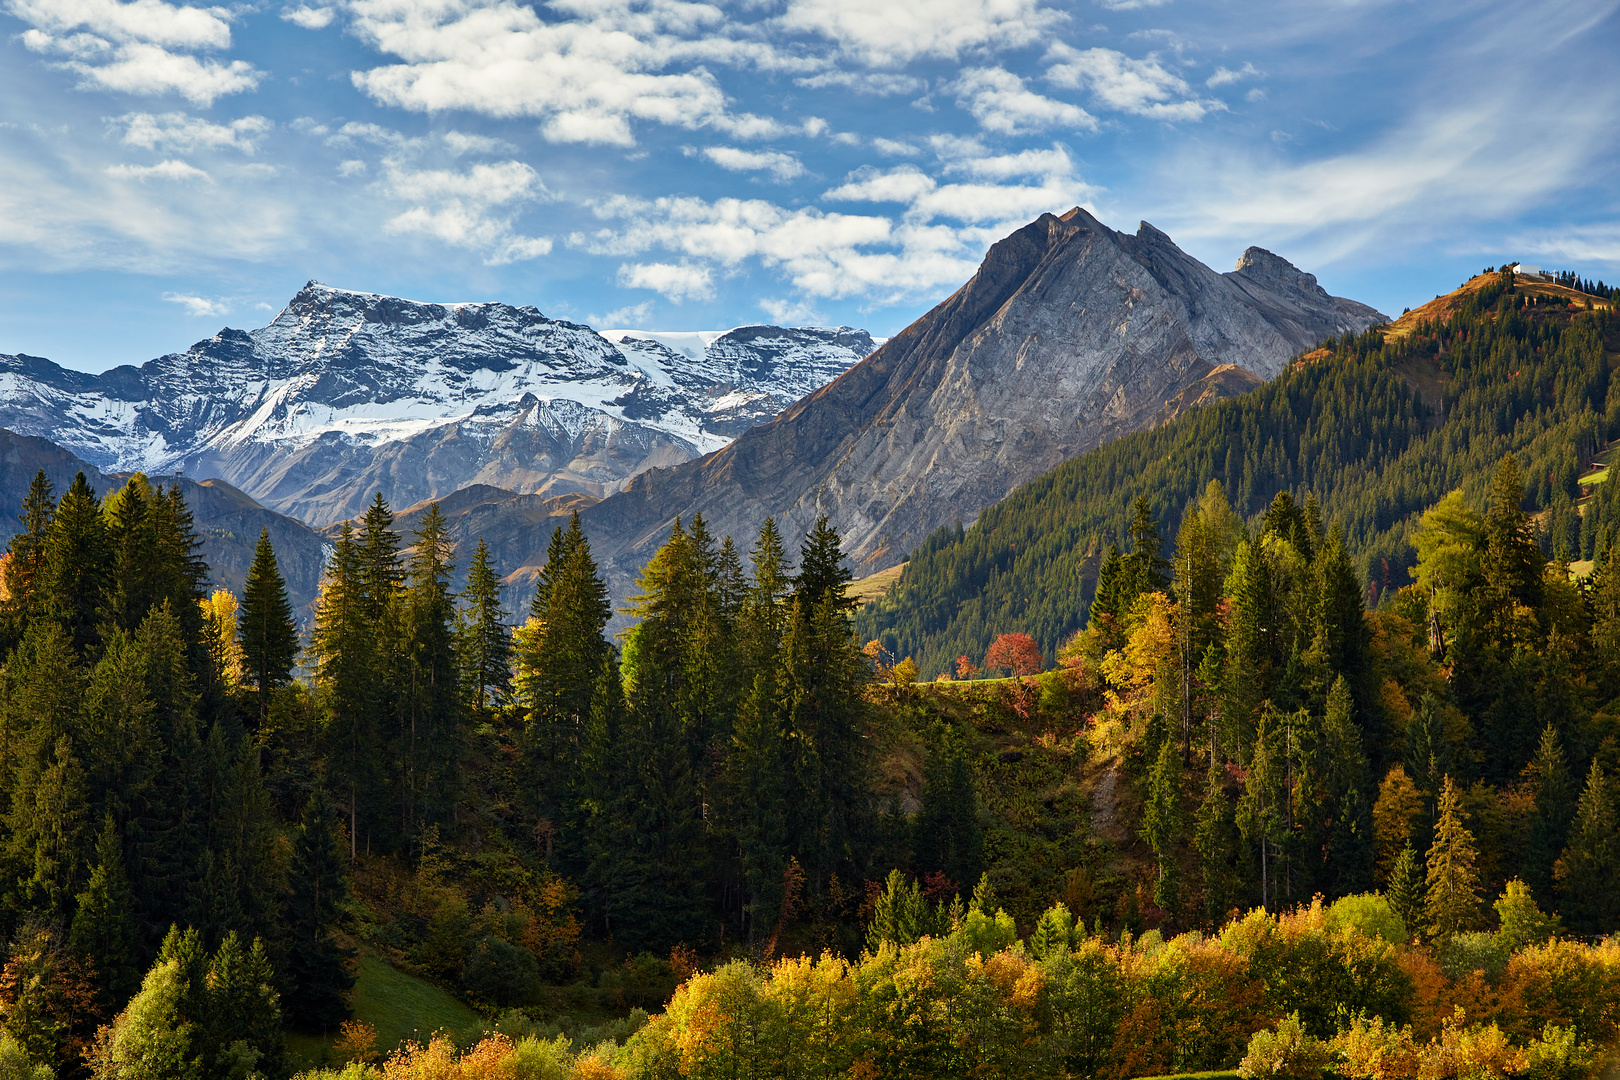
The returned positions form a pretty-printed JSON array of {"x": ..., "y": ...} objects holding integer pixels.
[
  {"x": 1069, "y": 335},
  {"x": 347, "y": 393}
]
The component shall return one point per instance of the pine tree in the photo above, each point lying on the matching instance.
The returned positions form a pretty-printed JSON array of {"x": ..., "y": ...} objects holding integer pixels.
[
  {"x": 1215, "y": 835},
  {"x": 1162, "y": 826},
  {"x": 1249, "y": 676},
  {"x": 1405, "y": 890},
  {"x": 429, "y": 706},
  {"x": 244, "y": 1009},
  {"x": 344, "y": 645},
  {"x": 101, "y": 927},
  {"x": 25, "y": 569},
  {"x": 265, "y": 626},
  {"x": 1105, "y": 599},
  {"x": 1554, "y": 809},
  {"x": 822, "y": 574},
  {"x": 560, "y": 671},
  {"x": 316, "y": 976},
  {"x": 1145, "y": 569},
  {"x": 948, "y": 836},
  {"x": 77, "y": 563},
  {"x": 1451, "y": 902},
  {"x": 486, "y": 640},
  {"x": 1586, "y": 872}
]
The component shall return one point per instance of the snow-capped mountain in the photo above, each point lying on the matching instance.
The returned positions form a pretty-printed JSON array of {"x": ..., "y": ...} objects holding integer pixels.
[{"x": 346, "y": 393}]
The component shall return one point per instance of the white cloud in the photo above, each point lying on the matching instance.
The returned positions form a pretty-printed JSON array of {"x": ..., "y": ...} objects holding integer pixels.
[
  {"x": 779, "y": 165},
  {"x": 894, "y": 147},
  {"x": 1224, "y": 76},
  {"x": 178, "y": 131},
  {"x": 1583, "y": 244},
  {"x": 893, "y": 32},
  {"x": 1480, "y": 159},
  {"x": 310, "y": 18},
  {"x": 472, "y": 209},
  {"x": 630, "y": 316},
  {"x": 1000, "y": 102},
  {"x": 903, "y": 185},
  {"x": 163, "y": 170},
  {"x": 200, "y": 306},
  {"x": 791, "y": 312},
  {"x": 137, "y": 46},
  {"x": 674, "y": 281},
  {"x": 863, "y": 82},
  {"x": 1142, "y": 87},
  {"x": 1131, "y": 5},
  {"x": 588, "y": 80},
  {"x": 352, "y": 167}
]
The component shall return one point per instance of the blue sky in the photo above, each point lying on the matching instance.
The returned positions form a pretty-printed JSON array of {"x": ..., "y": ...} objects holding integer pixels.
[{"x": 168, "y": 169}]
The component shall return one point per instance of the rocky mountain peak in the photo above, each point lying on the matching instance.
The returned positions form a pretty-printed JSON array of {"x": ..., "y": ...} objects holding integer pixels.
[
  {"x": 345, "y": 393},
  {"x": 1068, "y": 334}
]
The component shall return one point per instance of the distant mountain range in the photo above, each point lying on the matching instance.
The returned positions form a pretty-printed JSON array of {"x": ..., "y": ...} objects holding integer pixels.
[
  {"x": 347, "y": 393},
  {"x": 1069, "y": 335}
]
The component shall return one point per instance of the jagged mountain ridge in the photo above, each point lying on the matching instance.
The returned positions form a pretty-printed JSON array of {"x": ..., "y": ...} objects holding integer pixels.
[
  {"x": 1069, "y": 335},
  {"x": 345, "y": 393}
]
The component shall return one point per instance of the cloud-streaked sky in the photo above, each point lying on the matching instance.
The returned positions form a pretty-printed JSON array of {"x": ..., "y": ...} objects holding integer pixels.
[{"x": 167, "y": 169}]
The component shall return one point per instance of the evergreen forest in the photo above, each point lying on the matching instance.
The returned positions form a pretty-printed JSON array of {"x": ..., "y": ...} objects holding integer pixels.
[{"x": 1278, "y": 741}]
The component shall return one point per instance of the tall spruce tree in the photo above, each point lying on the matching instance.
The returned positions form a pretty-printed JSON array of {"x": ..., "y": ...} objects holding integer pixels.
[
  {"x": 101, "y": 930},
  {"x": 25, "y": 570},
  {"x": 315, "y": 976},
  {"x": 77, "y": 563},
  {"x": 1162, "y": 824},
  {"x": 486, "y": 640},
  {"x": 948, "y": 837},
  {"x": 1451, "y": 902},
  {"x": 346, "y": 676},
  {"x": 429, "y": 714},
  {"x": 265, "y": 626},
  {"x": 1548, "y": 774},
  {"x": 1586, "y": 872}
]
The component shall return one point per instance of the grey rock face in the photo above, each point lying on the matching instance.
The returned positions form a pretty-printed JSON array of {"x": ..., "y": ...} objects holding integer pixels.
[
  {"x": 1069, "y": 335},
  {"x": 347, "y": 393}
]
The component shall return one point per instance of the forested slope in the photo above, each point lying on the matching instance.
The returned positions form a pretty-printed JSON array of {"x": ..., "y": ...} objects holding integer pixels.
[{"x": 1378, "y": 427}]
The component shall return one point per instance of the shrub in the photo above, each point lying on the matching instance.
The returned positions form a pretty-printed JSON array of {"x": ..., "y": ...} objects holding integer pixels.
[{"x": 1287, "y": 1052}]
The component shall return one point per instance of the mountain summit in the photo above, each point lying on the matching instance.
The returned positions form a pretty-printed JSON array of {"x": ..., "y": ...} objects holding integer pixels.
[
  {"x": 1069, "y": 335},
  {"x": 346, "y": 393}
]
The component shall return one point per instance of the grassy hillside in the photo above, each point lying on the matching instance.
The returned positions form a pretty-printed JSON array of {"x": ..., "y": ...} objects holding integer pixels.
[{"x": 1377, "y": 427}]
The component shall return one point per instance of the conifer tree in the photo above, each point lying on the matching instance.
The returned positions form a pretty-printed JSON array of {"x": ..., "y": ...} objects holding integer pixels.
[
  {"x": 1554, "y": 809},
  {"x": 1162, "y": 825},
  {"x": 1105, "y": 599},
  {"x": 1145, "y": 569},
  {"x": 77, "y": 563},
  {"x": 1249, "y": 673},
  {"x": 1451, "y": 901},
  {"x": 823, "y": 672},
  {"x": 316, "y": 977},
  {"x": 1215, "y": 835},
  {"x": 26, "y": 567},
  {"x": 346, "y": 677},
  {"x": 756, "y": 761},
  {"x": 561, "y": 664},
  {"x": 1587, "y": 870},
  {"x": 949, "y": 838},
  {"x": 265, "y": 626},
  {"x": 1405, "y": 889},
  {"x": 102, "y": 922},
  {"x": 486, "y": 640},
  {"x": 822, "y": 574},
  {"x": 429, "y": 705}
]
